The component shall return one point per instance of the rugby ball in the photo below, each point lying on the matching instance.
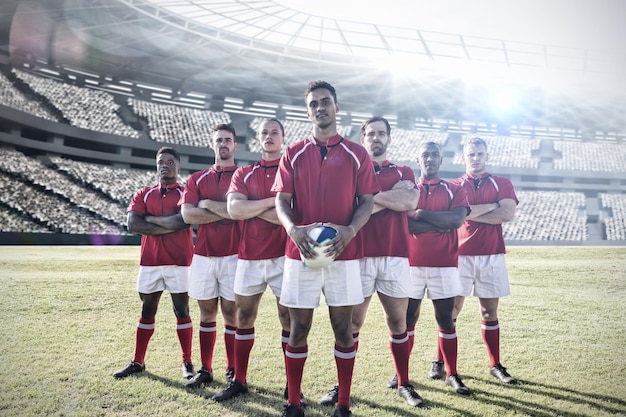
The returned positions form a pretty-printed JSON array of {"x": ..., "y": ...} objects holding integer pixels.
[{"x": 322, "y": 235}]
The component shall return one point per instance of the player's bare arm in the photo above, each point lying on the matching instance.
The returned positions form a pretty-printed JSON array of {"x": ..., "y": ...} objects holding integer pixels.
[
  {"x": 138, "y": 224},
  {"x": 417, "y": 226},
  {"x": 240, "y": 208},
  {"x": 174, "y": 222},
  {"x": 402, "y": 197},
  {"x": 451, "y": 219},
  {"x": 216, "y": 207},
  {"x": 504, "y": 213},
  {"x": 298, "y": 234},
  {"x": 197, "y": 215},
  {"x": 270, "y": 216},
  {"x": 480, "y": 210}
]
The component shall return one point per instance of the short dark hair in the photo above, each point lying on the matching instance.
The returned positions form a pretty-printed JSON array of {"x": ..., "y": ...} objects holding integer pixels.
[
  {"x": 170, "y": 150},
  {"x": 475, "y": 140},
  {"x": 273, "y": 119},
  {"x": 225, "y": 126},
  {"x": 373, "y": 119},
  {"x": 314, "y": 85},
  {"x": 429, "y": 143}
]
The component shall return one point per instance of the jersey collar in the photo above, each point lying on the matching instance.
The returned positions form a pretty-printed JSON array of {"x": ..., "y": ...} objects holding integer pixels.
[
  {"x": 431, "y": 181},
  {"x": 219, "y": 168},
  {"x": 168, "y": 186},
  {"x": 269, "y": 164},
  {"x": 378, "y": 167},
  {"x": 332, "y": 141},
  {"x": 472, "y": 177}
]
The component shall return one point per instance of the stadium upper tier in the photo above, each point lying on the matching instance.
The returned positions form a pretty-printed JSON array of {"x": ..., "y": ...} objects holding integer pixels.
[{"x": 132, "y": 117}]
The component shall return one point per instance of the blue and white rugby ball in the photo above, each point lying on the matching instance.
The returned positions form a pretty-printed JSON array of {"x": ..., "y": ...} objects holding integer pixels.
[{"x": 322, "y": 235}]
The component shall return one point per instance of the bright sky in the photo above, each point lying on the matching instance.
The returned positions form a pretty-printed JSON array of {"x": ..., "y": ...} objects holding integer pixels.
[{"x": 593, "y": 24}]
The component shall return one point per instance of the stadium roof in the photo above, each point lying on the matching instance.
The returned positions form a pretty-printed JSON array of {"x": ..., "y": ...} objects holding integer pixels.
[{"x": 268, "y": 50}]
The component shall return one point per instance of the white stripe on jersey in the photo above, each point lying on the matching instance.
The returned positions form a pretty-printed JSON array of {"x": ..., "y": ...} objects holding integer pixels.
[
  {"x": 343, "y": 145},
  {"x": 306, "y": 145}
]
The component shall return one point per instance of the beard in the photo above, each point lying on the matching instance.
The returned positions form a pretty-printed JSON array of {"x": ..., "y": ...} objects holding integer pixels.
[{"x": 379, "y": 150}]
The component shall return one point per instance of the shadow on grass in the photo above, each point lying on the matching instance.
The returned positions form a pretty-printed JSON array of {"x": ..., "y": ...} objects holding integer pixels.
[
  {"x": 598, "y": 402},
  {"x": 404, "y": 409},
  {"x": 258, "y": 402},
  {"x": 261, "y": 402}
]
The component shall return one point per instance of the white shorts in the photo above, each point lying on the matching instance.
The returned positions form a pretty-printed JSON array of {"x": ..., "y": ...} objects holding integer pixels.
[
  {"x": 388, "y": 275},
  {"x": 486, "y": 273},
  {"x": 340, "y": 282},
  {"x": 441, "y": 282},
  {"x": 173, "y": 278},
  {"x": 212, "y": 277},
  {"x": 253, "y": 277}
]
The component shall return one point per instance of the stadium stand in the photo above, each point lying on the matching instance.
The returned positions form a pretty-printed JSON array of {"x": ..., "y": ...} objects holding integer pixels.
[
  {"x": 83, "y": 107},
  {"x": 102, "y": 192},
  {"x": 548, "y": 215},
  {"x": 50, "y": 209},
  {"x": 506, "y": 151},
  {"x": 12, "y": 97},
  {"x": 32, "y": 171},
  {"x": 181, "y": 125},
  {"x": 406, "y": 142},
  {"x": 589, "y": 156},
  {"x": 615, "y": 222},
  {"x": 120, "y": 184},
  {"x": 11, "y": 220}
]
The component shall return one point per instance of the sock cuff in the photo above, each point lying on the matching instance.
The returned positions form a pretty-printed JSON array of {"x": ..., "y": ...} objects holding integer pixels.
[
  {"x": 208, "y": 327},
  {"x": 245, "y": 331}
]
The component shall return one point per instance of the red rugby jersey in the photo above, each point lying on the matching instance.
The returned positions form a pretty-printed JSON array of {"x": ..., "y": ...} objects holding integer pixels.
[
  {"x": 481, "y": 238},
  {"x": 386, "y": 233},
  {"x": 260, "y": 239},
  {"x": 435, "y": 249},
  {"x": 325, "y": 189},
  {"x": 174, "y": 248},
  {"x": 219, "y": 238}
]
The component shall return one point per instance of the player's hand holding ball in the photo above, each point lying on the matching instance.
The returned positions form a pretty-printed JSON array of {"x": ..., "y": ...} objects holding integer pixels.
[{"x": 322, "y": 236}]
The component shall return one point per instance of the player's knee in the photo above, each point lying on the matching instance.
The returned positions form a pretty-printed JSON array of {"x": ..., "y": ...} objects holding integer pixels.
[{"x": 181, "y": 311}]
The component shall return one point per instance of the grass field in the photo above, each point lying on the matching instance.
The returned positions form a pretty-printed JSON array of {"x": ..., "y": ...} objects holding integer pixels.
[{"x": 69, "y": 317}]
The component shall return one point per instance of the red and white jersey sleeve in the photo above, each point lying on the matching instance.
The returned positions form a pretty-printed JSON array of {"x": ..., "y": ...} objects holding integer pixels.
[
  {"x": 386, "y": 233},
  {"x": 219, "y": 238},
  {"x": 481, "y": 238},
  {"x": 433, "y": 248},
  {"x": 174, "y": 248},
  {"x": 260, "y": 239},
  {"x": 324, "y": 189}
]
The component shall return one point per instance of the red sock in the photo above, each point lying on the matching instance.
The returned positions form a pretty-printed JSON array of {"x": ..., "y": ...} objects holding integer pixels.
[
  {"x": 284, "y": 339},
  {"x": 344, "y": 359},
  {"x": 229, "y": 344},
  {"x": 355, "y": 339},
  {"x": 244, "y": 341},
  {"x": 439, "y": 355},
  {"x": 145, "y": 330},
  {"x": 410, "y": 331},
  {"x": 294, "y": 363},
  {"x": 208, "y": 334},
  {"x": 184, "y": 330},
  {"x": 448, "y": 343},
  {"x": 399, "y": 344},
  {"x": 491, "y": 336}
]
